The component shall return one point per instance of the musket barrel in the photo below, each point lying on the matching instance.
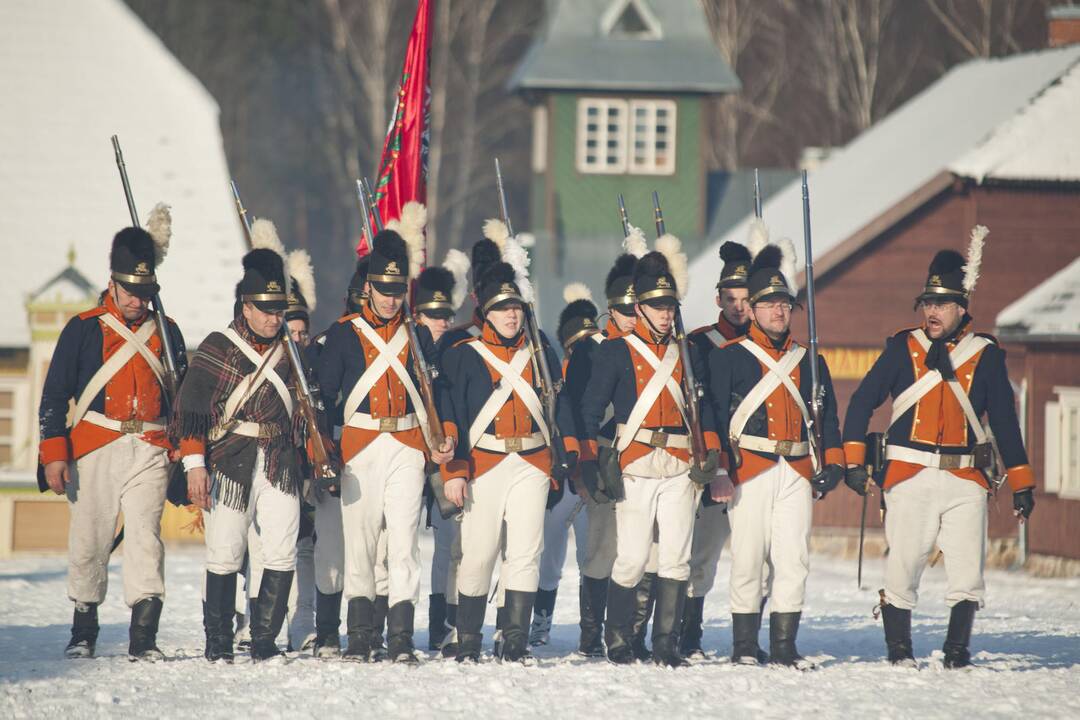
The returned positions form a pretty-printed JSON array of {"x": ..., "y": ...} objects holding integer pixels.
[
  {"x": 757, "y": 195},
  {"x": 624, "y": 217},
  {"x": 658, "y": 214},
  {"x": 811, "y": 315},
  {"x": 373, "y": 205},
  {"x": 502, "y": 198}
]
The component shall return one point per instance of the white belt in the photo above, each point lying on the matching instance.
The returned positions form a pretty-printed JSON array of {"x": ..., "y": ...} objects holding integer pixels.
[
  {"x": 928, "y": 459},
  {"x": 254, "y": 429},
  {"x": 131, "y": 427},
  {"x": 786, "y": 448},
  {"x": 510, "y": 445},
  {"x": 657, "y": 438},
  {"x": 364, "y": 421}
]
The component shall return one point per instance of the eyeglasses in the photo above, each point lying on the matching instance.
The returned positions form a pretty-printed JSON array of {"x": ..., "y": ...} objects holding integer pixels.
[{"x": 785, "y": 306}]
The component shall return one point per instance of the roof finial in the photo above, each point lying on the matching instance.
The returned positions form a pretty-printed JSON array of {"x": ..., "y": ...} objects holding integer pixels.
[{"x": 71, "y": 255}]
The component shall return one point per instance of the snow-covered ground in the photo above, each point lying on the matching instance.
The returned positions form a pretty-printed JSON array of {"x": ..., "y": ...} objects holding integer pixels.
[{"x": 1027, "y": 642}]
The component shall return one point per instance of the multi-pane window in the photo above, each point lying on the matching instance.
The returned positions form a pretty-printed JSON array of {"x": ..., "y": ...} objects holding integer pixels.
[
  {"x": 619, "y": 136},
  {"x": 7, "y": 427},
  {"x": 1061, "y": 460}
]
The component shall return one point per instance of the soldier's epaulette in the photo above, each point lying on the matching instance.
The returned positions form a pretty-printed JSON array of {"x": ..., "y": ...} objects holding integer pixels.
[
  {"x": 989, "y": 337},
  {"x": 93, "y": 312},
  {"x": 901, "y": 331},
  {"x": 347, "y": 318},
  {"x": 733, "y": 341}
]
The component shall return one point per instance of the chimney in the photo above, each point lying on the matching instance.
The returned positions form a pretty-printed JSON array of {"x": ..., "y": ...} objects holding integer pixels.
[{"x": 1063, "y": 24}]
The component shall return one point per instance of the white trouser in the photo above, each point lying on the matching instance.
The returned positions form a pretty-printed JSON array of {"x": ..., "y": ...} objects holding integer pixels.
[
  {"x": 381, "y": 489},
  {"x": 273, "y": 514},
  {"x": 711, "y": 531},
  {"x": 770, "y": 517},
  {"x": 660, "y": 508},
  {"x": 600, "y": 540},
  {"x": 329, "y": 545},
  {"x": 935, "y": 506},
  {"x": 382, "y": 561},
  {"x": 513, "y": 494},
  {"x": 128, "y": 475},
  {"x": 444, "y": 560},
  {"x": 570, "y": 512}
]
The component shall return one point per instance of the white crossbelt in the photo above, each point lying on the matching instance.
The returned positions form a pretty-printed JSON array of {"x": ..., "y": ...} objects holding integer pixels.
[
  {"x": 778, "y": 373},
  {"x": 386, "y": 360},
  {"x": 511, "y": 381},
  {"x": 134, "y": 343},
  {"x": 597, "y": 337},
  {"x": 715, "y": 336},
  {"x": 132, "y": 427},
  {"x": 267, "y": 374},
  {"x": 663, "y": 378}
]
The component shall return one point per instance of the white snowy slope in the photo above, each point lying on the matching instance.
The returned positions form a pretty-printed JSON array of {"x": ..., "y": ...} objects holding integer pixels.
[{"x": 1027, "y": 642}]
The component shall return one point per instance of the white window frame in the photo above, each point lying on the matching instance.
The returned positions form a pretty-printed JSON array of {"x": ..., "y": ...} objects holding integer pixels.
[
  {"x": 18, "y": 440},
  {"x": 1065, "y": 462},
  {"x": 601, "y": 166},
  {"x": 648, "y": 136}
]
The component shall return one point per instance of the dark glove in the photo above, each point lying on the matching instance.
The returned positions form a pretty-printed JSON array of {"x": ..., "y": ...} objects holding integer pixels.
[
  {"x": 706, "y": 472},
  {"x": 562, "y": 473},
  {"x": 589, "y": 472},
  {"x": 555, "y": 493},
  {"x": 1023, "y": 502},
  {"x": 611, "y": 474},
  {"x": 827, "y": 480},
  {"x": 326, "y": 483},
  {"x": 856, "y": 478}
]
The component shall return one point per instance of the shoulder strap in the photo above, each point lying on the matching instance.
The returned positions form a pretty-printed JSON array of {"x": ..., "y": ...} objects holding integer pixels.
[
  {"x": 664, "y": 371},
  {"x": 715, "y": 336},
  {"x": 134, "y": 343}
]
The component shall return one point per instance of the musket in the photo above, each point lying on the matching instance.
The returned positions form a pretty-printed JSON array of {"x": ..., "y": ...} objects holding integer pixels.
[
  {"x": 692, "y": 389},
  {"x": 817, "y": 392},
  {"x": 548, "y": 390},
  {"x": 321, "y": 463},
  {"x": 757, "y": 195},
  {"x": 168, "y": 352},
  {"x": 425, "y": 372},
  {"x": 624, "y": 217}
]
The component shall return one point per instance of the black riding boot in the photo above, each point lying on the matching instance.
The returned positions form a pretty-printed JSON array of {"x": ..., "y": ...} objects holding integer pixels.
[
  {"x": 399, "y": 633},
  {"x": 378, "y": 645},
  {"x": 959, "y": 636},
  {"x": 327, "y": 622},
  {"x": 646, "y": 599},
  {"x": 783, "y": 629},
  {"x": 218, "y": 610},
  {"x": 690, "y": 635},
  {"x": 358, "y": 623},
  {"x": 897, "y": 625},
  {"x": 84, "y": 631},
  {"x": 622, "y": 603},
  {"x": 670, "y": 605},
  {"x": 543, "y": 609},
  {"x": 470, "y": 622},
  {"x": 744, "y": 638},
  {"x": 592, "y": 599},
  {"x": 142, "y": 634},
  {"x": 268, "y": 614},
  {"x": 437, "y": 627},
  {"x": 519, "y": 608}
]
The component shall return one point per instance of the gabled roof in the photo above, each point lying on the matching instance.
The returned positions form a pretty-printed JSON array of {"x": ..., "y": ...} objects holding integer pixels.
[
  {"x": 1050, "y": 311},
  {"x": 69, "y": 285},
  {"x": 626, "y": 45},
  {"x": 898, "y": 164},
  {"x": 77, "y": 73}
]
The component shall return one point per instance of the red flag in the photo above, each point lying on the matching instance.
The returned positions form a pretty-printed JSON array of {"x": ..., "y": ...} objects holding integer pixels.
[{"x": 403, "y": 167}]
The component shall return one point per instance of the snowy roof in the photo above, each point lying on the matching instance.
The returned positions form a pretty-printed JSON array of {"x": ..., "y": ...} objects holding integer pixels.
[
  {"x": 77, "y": 73},
  {"x": 903, "y": 160},
  {"x": 1051, "y": 309},
  {"x": 69, "y": 285},
  {"x": 645, "y": 45}
]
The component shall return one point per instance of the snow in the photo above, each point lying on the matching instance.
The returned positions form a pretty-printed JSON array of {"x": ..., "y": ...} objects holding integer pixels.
[
  {"x": 72, "y": 74},
  {"x": 1051, "y": 308},
  {"x": 1027, "y": 642},
  {"x": 894, "y": 159}
]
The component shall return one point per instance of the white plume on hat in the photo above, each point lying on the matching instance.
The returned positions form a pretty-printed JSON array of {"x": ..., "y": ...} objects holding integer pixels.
[
  {"x": 974, "y": 257},
  {"x": 635, "y": 243},
  {"x": 576, "y": 291},
  {"x": 787, "y": 260},
  {"x": 159, "y": 225},
  {"x": 758, "y": 236},
  {"x": 458, "y": 264},
  {"x": 264, "y": 236},
  {"x": 298, "y": 267},
  {"x": 410, "y": 226},
  {"x": 512, "y": 253},
  {"x": 671, "y": 248}
]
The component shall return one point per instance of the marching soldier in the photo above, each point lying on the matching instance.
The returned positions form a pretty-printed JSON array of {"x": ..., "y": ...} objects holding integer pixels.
[
  {"x": 942, "y": 377},
  {"x": 367, "y": 358},
  {"x": 501, "y": 473},
  {"x": 115, "y": 455},
  {"x": 238, "y": 439},
  {"x": 577, "y": 329},
  {"x": 711, "y": 526},
  {"x": 639, "y": 374},
  {"x": 760, "y": 385}
]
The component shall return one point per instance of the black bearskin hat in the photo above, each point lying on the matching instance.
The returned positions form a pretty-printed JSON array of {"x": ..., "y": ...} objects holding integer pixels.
[
  {"x": 434, "y": 293},
  {"x": 485, "y": 253},
  {"x": 945, "y": 279},
  {"x": 619, "y": 286},
  {"x": 653, "y": 282},
  {"x": 497, "y": 288},
  {"x": 388, "y": 264},
  {"x": 736, "y": 270},
  {"x": 132, "y": 262},
  {"x": 263, "y": 283},
  {"x": 577, "y": 320},
  {"x": 766, "y": 282}
]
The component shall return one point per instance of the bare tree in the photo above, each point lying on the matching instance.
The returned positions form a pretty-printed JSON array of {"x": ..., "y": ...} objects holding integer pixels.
[{"x": 985, "y": 28}]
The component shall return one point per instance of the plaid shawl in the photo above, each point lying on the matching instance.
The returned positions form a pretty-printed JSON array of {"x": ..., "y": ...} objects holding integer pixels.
[{"x": 217, "y": 368}]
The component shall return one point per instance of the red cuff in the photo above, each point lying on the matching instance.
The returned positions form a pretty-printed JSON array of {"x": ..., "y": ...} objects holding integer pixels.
[
  {"x": 192, "y": 446},
  {"x": 450, "y": 430},
  {"x": 454, "y": 469},
  {"x": 53, "y": 449},
  {"x": 589, "y": 450},
  {"x": 571, "y": 445},
  {"x": 1020, "y": 477},
  {"x": 834, "y": 456},
  {"x": 712, "y": 441},
  {"x": 855, "y": 452}
]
